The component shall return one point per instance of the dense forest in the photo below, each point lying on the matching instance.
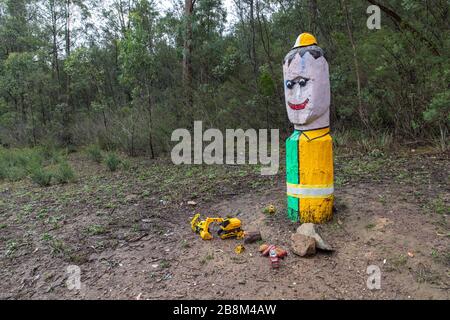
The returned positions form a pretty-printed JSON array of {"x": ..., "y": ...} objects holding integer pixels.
[
  {"x": 124, "y": 74},
  {"x": 98, "y": 202}
]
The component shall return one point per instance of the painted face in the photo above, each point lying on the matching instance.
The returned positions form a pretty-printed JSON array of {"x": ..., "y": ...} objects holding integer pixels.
[{"x": 307, "y": 91}]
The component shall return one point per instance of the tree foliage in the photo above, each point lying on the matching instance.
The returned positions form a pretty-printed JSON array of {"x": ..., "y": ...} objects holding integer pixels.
[{"x": 83, "y": 72}]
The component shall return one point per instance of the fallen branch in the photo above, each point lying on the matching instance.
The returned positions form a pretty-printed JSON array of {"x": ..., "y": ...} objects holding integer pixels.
[{"x": 138, "y": 238}]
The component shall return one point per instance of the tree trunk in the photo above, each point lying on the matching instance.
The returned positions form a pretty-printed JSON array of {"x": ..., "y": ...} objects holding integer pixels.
[
  {"x": 266, "y": 46},
  {"x": 150, "y": 124},
  {"x": 361, "y": 110},
  {"x": 253, "y": 43},
  {"x": 54, "y": 31},
  {"x": 313, "y": 20},
  {"x": 68, "y": 117},
  {"x": 187, "y": 60},
  {"x": 133, "y": 127}
]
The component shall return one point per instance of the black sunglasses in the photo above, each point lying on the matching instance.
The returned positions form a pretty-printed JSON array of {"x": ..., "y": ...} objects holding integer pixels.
[{"x": 291, "y": 83}]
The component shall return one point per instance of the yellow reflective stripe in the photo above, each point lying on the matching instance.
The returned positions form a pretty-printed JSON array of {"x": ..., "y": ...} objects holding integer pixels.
[{"x": 308, "y": 196}]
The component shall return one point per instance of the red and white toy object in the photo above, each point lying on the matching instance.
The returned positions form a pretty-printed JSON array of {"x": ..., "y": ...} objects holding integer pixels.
[
  {"x": 274, "y": 260},
  {"x": 274, "y": 254}
]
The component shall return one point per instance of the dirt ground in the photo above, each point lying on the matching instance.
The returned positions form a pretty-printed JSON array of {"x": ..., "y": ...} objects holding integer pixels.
[{"x": 129, "y": 233}]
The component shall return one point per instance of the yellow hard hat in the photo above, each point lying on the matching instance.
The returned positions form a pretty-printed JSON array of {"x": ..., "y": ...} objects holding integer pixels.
[{"x": 304, "y": 40}]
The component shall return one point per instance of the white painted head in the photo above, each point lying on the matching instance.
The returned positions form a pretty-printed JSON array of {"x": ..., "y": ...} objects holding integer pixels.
[{"x": 307, "y": 87}]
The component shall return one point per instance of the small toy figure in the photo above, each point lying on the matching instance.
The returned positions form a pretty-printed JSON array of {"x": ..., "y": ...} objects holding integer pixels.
[
  {"x": 274, "y": 253},
  {"x": 274, "y": 260}
]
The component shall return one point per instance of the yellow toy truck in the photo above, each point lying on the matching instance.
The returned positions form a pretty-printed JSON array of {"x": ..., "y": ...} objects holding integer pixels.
[{"x": 229, "y": 227}]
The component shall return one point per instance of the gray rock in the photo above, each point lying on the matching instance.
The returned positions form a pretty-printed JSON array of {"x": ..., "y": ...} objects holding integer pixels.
[
  {"x": 303, "y": 245},
  {"x": 309, "y": 229}
]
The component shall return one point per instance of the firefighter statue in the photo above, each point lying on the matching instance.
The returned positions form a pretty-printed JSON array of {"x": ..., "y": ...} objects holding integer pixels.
[{"x": 309, "y": 150}]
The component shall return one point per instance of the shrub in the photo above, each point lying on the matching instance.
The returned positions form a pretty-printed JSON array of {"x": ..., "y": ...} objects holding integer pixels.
[
  {"x": 95, "y": 153},
  {"x": 41, "y": 176},
  {"x": 49, "y": 152},
  {"x": 3, "y": 171},
  {"x": 16, "y": 163},
  {"x": 11, "y": 173},
  {"x": 64, "y": 173},
  {"x": 16, "y": 173},
  {"x": 126, "y": 165},
  {"x": 112, "y": 161}
]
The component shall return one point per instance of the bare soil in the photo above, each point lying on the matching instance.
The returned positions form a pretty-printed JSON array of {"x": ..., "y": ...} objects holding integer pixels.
[{"x": 129, "y": 233}]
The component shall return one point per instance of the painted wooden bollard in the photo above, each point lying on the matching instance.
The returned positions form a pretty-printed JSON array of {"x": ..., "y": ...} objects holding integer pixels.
[{"x": 309, "y": 150}]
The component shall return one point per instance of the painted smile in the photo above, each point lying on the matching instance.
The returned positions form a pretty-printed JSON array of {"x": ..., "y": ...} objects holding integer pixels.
[{"x": 300, "y": 106}]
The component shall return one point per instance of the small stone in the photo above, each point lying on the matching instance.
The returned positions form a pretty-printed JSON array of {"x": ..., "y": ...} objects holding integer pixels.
[
  {"x": 192, "y": 203},
  {"x": 130, "y": 197},
  {"x": 303, "y": 245},
  {"x": 309, "y": 230},
  {"x": 252, "y": 236}
]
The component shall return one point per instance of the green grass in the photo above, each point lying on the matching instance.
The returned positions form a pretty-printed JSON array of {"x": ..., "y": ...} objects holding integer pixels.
[
  {"x": 370, "y": 226},
  {"x": 399, "y": 261},
  {"x": 42, "y": 214},
  {"x": 58, "y": 247},
  {"x": 434, "y": 254},
  {"x": 95, "y": 153},
  {"x": 339, "y": 181},
  {"x": 441, "y": 257},
  {"x": 164, "y": 264},
  {"x": 185, "y": 244},
  {"x": 439, "y": 206},
  {"x": 126, "y": 165},
  {"x": 17, "y": 164},
  {"x": 46, "y": 237},
  {"x": 11, "y": 247},
  {"x": 95, "y": 230},
  {"x": 424, "y": 274},
  {"x": 41, "y": 176},
  {"x": 207, "y": 258},
  {"x": 64, "y": 173},
  {"x": 112, "y": 161},
  {"x": 382, "y": 199}
]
